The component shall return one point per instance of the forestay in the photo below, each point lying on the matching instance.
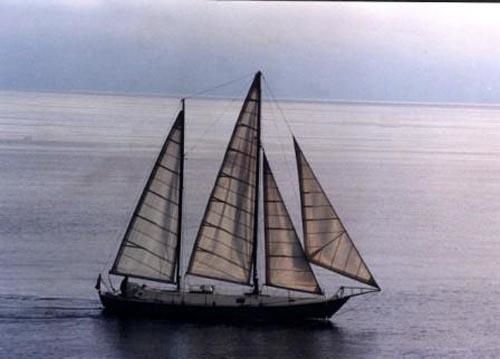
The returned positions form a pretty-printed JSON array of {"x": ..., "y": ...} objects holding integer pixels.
[
  {"x": 326, "y": 240},
  {"x": 286, "y": 263},
  {"x": 225, "y": 241},
  {"x": 148, "y": 249}
]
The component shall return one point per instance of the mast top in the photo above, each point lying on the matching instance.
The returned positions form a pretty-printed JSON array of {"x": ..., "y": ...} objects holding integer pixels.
[{"x": 256, "y": 83}]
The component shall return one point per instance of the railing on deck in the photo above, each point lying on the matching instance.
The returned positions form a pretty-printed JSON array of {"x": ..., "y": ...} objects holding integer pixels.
[{"x": 346, "y": 292}]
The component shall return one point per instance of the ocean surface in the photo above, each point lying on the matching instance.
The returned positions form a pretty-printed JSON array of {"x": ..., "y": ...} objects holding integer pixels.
[{"x": 417, "y": 186}]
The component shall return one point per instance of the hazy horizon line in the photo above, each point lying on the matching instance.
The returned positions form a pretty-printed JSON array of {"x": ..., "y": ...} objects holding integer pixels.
[{"x": 222, "y": 98}]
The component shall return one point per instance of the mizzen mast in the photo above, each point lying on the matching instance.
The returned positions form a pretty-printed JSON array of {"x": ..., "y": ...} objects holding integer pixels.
[
  {"x": 181, "y": 195},
  {"x": 258, "y": 80}
]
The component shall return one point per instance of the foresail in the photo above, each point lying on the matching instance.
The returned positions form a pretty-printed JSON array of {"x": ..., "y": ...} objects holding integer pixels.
[
  {"x": 286, "y": 263},
  {"x": 224, "y": 245},
  {"x": 148, "y": 249},
  {"x": 326, "y": 240}
]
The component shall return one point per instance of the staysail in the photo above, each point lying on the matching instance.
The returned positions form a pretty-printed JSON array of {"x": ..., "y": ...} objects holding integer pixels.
[
  {"x": 224, "y": 246},
  {"x": 326, "y": 240},
  {"x": 286, "y": 263},
  {"x": 149, "y": 247}
]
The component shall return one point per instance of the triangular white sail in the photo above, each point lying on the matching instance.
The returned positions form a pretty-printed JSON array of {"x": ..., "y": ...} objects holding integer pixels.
[
  {"x": 286, "y": 263},
  {"x": 326, "y": 240},
  {"x": 224, "y": 246},
  {"x": 149, "y": 247}
]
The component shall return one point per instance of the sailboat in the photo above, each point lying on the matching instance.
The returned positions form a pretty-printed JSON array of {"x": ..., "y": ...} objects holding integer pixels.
[{"x": 226, "y": 246}]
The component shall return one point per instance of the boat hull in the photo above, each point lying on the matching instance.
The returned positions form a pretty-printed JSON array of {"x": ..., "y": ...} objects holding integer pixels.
[{"x": 295, "y": 310}]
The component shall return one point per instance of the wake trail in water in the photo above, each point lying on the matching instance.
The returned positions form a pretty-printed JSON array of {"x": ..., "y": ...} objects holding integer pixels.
[{"x": 15, "y": 307}]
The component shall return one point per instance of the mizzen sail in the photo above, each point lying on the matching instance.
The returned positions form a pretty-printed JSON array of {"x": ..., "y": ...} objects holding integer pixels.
[
  {"x": 327, "y": 242},
  {"x": 286, "y": 263},
  {"x": 149, "y": 247},
  {"x": 225, "y": 242}
]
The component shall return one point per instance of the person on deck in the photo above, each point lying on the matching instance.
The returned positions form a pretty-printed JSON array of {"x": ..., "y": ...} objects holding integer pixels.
[
  {"x": 98, "y": 283},
  {"x": 124, "y": 285}
]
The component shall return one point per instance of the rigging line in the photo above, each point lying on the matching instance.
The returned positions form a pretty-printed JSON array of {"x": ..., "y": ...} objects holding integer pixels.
[
  {"x": 359, "y": 302},
  {"x": 273, "y": 98},
  {"x": 291, "y": 172},
  {"x": 212, "y": 125},
  {"x": 216, "y": 87}
]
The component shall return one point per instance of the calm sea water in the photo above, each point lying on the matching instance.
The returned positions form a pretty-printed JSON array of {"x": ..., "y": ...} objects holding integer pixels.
[{"x": 417, "y": 187}]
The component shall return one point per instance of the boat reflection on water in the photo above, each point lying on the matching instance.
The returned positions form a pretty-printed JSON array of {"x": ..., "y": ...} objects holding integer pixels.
[{"x": 133, "y": 338}]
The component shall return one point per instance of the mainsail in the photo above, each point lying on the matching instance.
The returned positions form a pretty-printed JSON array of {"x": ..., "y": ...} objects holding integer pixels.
[
  {"x": 286, "y": 263},
  {"x": 327, "y": 242},
  {"x": 224, "y": 247},
  {"x": 149, "y": 248}
]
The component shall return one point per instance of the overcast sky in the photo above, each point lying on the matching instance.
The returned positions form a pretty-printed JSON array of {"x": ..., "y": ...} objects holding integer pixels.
[{"x": 337, "y": 51}]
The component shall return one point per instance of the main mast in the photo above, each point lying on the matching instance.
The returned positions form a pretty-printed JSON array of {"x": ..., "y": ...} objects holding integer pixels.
[
  {"x": 181, "y": 190},
  {"x": 256, "y": 204}
]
